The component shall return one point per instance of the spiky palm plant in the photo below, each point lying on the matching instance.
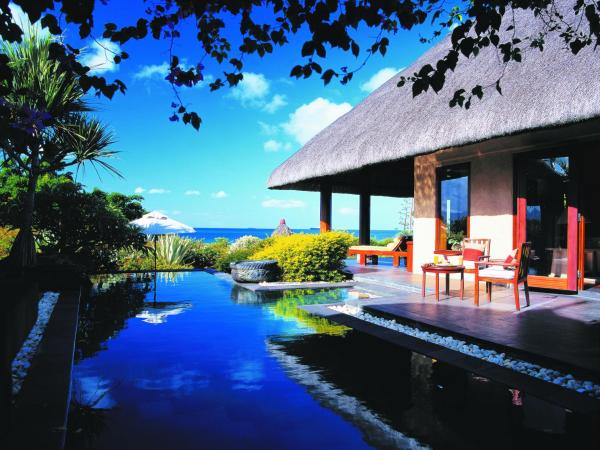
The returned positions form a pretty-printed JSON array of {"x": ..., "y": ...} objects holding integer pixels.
[
  {"x": 49, "y": 129},
  {"x": 173, "y": 251}
]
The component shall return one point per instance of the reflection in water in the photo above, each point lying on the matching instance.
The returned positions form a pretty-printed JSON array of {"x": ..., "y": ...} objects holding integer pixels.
[
  {"x": 376, "y": 430},
  {"x": 90, "y": 403},
  {"x": 287, "y": 307},
  {"x": 242, "y": 295},
  {"x": 103, "y": 312},
  {"x": 184, "y": 381},
  {"x": 400, "y": 399},
  {"x": 157, "y": 313},
  {"x": 265, "y": 374}
]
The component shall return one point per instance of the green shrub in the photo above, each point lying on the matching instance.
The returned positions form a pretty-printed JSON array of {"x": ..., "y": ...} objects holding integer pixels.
[
  {"x": 251, "y": 243},
  {"x": 203, "y": 255},
  {"x": 309, "y": 257},
  {"x": 7, "y": 236},
  {"x": 220, "y": 245},
  {"x": 223, "y": 262},
  {"x": 206, "y": 255},
  {"x": 129, "y": 259},
  {"x": 381, "y": 242}
]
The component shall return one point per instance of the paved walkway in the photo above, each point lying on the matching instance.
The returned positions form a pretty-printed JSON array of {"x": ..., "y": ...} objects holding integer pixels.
[{"x": 559, "y": 329}]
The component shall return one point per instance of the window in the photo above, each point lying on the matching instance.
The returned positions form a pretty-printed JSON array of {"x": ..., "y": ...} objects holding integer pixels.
[{"x": 453, "y": 205}]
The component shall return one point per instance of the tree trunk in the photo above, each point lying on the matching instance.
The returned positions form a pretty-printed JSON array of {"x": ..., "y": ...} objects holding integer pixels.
[{"x": 22, "y": 253}]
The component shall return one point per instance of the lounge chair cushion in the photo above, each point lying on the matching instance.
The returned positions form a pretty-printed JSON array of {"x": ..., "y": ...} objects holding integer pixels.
[
  {"x": 468, "y": 264},
  {"x": 495, "y": 273},
  {"x": 374, "y": 248}
]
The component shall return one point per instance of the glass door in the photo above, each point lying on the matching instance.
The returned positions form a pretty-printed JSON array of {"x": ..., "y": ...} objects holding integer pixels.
[
  {"x": 547, "y": 217},
  {"x": 589, "y": 218}
]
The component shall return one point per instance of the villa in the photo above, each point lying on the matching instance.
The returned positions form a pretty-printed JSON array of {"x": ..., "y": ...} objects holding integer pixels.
[{"x": 516, "y": 166}]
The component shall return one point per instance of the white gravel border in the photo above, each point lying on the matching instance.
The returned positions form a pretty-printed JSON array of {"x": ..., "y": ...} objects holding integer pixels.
[
  {"x": 534, "y": 370},
  {"x": 22, "y": 361}
]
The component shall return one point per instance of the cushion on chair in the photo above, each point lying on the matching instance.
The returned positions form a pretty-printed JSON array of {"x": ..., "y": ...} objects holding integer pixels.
[
  {"x": 468, "y": 264},
  {"x": 511, "y": 257},
  {"x": 472, "y": 254},
  {"x": 475, "y": 246},
  {"x": 495, "y": 273}
]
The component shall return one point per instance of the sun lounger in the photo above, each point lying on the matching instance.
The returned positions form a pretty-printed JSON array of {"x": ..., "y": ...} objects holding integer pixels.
[{"x": 400, "y": 248}]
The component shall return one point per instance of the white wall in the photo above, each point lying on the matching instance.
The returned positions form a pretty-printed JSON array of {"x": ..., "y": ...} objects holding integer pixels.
[{"x": 491, "y": 202}]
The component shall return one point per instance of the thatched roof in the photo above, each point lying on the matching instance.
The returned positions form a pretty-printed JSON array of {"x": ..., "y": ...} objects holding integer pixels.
[{"x": 548, "y": 89}]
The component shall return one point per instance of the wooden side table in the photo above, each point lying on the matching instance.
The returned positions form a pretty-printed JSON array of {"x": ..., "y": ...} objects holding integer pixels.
[{"x": 432, "y": 268}]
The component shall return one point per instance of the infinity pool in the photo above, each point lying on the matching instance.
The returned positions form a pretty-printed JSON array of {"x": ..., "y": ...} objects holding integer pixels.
[{"x": 208, "y": 365}]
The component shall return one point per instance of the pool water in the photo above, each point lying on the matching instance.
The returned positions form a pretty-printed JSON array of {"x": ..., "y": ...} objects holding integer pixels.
[{"x": 209, "y": 365}]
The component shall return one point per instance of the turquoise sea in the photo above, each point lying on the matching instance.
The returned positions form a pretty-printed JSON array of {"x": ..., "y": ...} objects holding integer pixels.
[{"x": 210, "y": 234}]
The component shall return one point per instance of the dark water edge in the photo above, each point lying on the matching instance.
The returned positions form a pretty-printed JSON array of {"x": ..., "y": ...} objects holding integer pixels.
[{"x": 210, "y": 234}]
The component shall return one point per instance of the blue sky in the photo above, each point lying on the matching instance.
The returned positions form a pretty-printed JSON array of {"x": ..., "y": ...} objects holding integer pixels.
[{"x": 217, "y": 177}]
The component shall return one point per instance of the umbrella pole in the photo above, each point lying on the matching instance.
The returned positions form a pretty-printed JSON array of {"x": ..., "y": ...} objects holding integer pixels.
[{"x": 155, "y": 268}]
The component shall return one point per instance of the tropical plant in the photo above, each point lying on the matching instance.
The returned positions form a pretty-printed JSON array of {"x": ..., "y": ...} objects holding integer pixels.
[
  {"x": 7, "y": 236},
  {"x": 173, "y": 251},
  {"x": 203, "y": 255},
  {"x": 222, "y": 264},
  {"x": 50, "y": 128},
  {"x": 86, "y": 227},
  {"x": 246, "y": 243},
  {"x": 309, "y": 257}
]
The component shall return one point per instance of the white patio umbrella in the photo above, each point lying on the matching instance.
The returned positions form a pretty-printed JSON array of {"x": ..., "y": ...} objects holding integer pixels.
[{"x": 156, "y": 223}]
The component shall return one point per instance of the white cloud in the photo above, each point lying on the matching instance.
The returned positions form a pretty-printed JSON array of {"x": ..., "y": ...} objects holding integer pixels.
[
  {"x": 192, "y": 192},
  {"x": 274, "y": 146},
  {"x": 312, "y": 117},
  {"x": 220, "y": 194},
  {"x": 98, "y": 56},
  {"x": 348, "y": 211},
  {"x": 267, "y": 129},
  {"x": 254, "y": 87},
  {"x": 139, "y": 190},
  {"x": 158, "y": 191},
  {"x": 379, "y": 78},
  {"x": 278, "y": 101},
  {"x": 285, "y": 204},
  {"x": 152, "y": 71},
  {"x": 160, "y": 71}
]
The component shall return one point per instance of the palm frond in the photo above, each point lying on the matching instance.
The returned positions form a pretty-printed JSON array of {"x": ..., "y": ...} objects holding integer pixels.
[{"x": 84, "y": 140}]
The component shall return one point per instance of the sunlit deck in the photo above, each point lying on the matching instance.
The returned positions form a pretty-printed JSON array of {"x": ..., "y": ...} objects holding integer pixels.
[{"x": 558, "y": 329}]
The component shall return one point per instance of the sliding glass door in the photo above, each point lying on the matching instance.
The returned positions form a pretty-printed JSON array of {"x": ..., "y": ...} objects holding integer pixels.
[{"x": 547, "y": 217}]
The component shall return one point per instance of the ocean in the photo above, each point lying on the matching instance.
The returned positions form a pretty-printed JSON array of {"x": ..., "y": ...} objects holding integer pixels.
[{"x": 210, "y": 234}]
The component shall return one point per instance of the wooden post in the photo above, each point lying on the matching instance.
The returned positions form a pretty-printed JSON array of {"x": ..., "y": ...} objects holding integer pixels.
[
  {"x": 325, "y": 224},
  {"x": 364, "y": 230}
]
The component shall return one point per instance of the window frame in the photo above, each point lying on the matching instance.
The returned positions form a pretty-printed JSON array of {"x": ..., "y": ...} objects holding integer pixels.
[{"x": 438, "y": 202}]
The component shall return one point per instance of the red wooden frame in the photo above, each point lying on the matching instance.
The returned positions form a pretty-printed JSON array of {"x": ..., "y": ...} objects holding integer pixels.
[
  {"x": 362, "y": 254},
  {"x": 520, "y": 236}
]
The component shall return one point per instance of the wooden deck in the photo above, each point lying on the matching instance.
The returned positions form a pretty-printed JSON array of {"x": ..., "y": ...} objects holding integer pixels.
[{"x": 560, "y": 330}]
